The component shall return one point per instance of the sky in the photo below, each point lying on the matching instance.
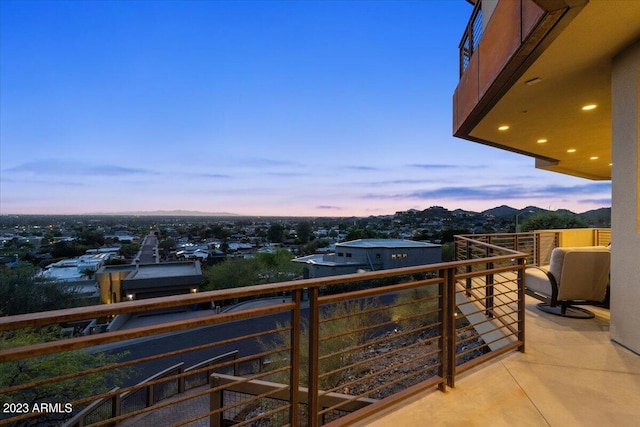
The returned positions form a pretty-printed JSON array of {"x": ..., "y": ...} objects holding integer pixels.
[{"x": 271, "y": 108}]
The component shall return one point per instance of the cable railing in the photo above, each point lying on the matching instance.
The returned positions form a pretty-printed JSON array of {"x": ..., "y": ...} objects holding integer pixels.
[
  {"x": 471, "y": 37},
  {"x": 154, "y": 392},
  {"x": 357, "y": 344},
  {"x": 538, "y": 245}
]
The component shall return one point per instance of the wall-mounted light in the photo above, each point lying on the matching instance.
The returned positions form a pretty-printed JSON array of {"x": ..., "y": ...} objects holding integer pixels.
[
  {"x": 503, "y": 128},
  {"x": 594, "y": 158},
  {"x": 193, "y": 290},
  {"x": 130, "y": 297},
  {"x": 571, "y": 150},
  {"x": 541, "y": 141},
  {"x": 589, "y": 107}
]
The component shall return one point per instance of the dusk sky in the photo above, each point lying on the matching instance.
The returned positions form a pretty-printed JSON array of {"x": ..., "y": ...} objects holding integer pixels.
[{"x": 287, "y": 108}]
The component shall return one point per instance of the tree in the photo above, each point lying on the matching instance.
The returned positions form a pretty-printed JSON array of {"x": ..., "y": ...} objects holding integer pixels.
[
  {"x": 67, "y": 249},
  {"x": 30, "y": 370},
  {"x": 277, "y": 266},
  {"x": 448, "y": 252},
  {"x": 91, "y": 238},
  {"x": 304, "y": 230},
  {"x": 21, "y": 292},
  {"x": 276, "y": 233},
  {"x": 89, "y": 272},
  {"x": 447, "y": 235},
  {"x": 361, "y": 233},
  {"x": 233, "y": 273},
  {"x": 129, "y": 250},
  {"x": 263, "y": 268},
  {"x": 552, "y": 221}
]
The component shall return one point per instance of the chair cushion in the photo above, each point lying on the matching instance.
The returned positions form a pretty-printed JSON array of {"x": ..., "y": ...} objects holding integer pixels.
[{"x": 556, "y": 262}]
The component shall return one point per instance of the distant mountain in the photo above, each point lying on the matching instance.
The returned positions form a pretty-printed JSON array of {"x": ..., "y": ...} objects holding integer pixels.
[
  {"x": 175, "y": 212},
  {"x": 501, "y": 211},
  {"x": 597, "y": 217}
]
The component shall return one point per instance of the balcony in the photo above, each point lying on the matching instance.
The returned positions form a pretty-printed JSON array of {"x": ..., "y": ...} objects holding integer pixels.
[
  {"x": 570, "y": 375},
  {"x": 531, "y": 66},
  {"x": 359, "y": 348}
]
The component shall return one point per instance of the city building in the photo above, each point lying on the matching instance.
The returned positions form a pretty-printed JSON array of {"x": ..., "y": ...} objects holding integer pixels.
[
  {"x": 370, "y": 255},
  {"x": 77, "y": 274},
  {"x": 559, "y": 80},
  {"x": 133, "y": 282}
]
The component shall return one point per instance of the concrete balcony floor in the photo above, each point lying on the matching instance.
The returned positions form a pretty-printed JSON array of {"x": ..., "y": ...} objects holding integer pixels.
[{"x": 571, "y": 374}]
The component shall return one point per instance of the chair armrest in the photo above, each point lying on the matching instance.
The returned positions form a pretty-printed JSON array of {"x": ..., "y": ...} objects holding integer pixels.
[
  {"x": 544, "y": 269},
  {"x": 553, "y": 284}
]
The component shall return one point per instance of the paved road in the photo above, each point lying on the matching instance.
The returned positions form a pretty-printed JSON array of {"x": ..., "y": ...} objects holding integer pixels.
[
  {"x": 191, "y": 338},
  {"x": 147, "y": 253},
  {"x": 180, "y": 340}
]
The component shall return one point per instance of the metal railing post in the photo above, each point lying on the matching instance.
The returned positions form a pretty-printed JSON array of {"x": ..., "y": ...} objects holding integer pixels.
[
  {"x": 295, "y": 358},
  {"x": 488, "y": 302},
  {"x": 115, "y": 406},
  {"x": 521, "y": 303},
  {"x": 215, "y": 404},
  {"x": 150, "y": 397},
  {"x": 469, "y": 268},
  {"x": 448, "y": 341},
  {"x": 181, "y": 381},
  {"x": 314, "y": 358},
  {"x": 236, "y": 366}
]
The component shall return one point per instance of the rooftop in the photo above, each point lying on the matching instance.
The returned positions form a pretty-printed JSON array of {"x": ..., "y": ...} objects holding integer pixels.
[
  {"x": 386, "y": 243},
  {"x": 153, "y": 271}
]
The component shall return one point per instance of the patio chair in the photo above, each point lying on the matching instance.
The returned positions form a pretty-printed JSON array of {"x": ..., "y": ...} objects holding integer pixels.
[{"x": 576, "y": 275}]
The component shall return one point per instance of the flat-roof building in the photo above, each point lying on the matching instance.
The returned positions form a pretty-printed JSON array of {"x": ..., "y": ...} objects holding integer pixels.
[
  {"x": 127, "y": 282},
  {"x": 370, "y": 255}
]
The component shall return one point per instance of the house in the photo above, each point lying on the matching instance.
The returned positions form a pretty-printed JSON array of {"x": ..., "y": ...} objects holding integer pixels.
[
  {"x": 559, "y": 81},
  {"x": 370, "y": 255},
  {"x": 128, "y": 282}
]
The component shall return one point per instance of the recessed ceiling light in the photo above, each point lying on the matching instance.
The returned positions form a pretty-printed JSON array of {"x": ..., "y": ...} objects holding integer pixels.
[
  {"x": 594, "y": 158},
  {"x": 541, "y": 141},
  {"x": 571, "y": 150},
  {"x": 589, "y": 107},
  {"x": 503, "y": 127}
]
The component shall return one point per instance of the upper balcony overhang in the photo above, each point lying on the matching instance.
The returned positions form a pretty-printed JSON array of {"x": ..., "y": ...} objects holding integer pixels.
[{"x": 536, "y": 66}]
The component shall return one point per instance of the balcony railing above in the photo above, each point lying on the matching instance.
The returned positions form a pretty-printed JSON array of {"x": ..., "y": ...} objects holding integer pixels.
[{"x": 471, "y": 37}]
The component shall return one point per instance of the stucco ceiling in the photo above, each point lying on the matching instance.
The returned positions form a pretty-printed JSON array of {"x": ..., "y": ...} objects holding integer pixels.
[{"x": 574, "y": 71}]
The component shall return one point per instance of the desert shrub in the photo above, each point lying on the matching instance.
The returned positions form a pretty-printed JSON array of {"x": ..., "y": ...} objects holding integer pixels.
[
  {"x": 416, "y": 308},
  {"x": 344, "y": 327}
]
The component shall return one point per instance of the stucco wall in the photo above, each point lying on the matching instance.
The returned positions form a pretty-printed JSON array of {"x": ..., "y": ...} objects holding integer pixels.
[{"x": 625, "y": 251}]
